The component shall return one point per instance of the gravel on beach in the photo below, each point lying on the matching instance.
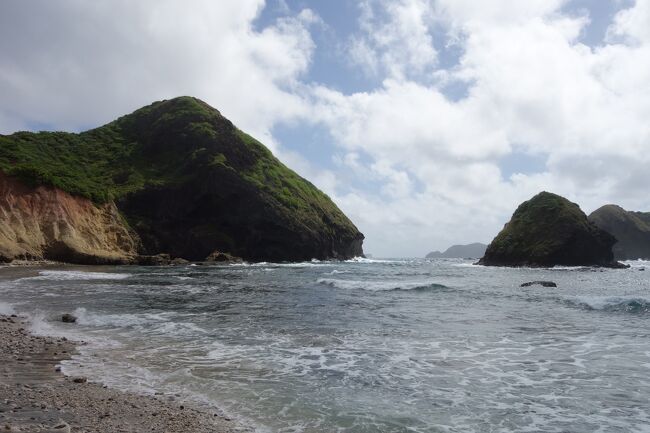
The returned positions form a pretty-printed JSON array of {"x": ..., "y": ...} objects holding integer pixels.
[{"x": 36, "y": 397}]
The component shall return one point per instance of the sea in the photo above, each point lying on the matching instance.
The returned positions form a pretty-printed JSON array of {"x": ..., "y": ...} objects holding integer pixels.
[{"x": 405, "y": 345}]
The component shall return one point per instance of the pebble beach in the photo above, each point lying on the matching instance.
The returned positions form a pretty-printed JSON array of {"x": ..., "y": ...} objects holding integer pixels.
[{"x": 36, "y": 397}]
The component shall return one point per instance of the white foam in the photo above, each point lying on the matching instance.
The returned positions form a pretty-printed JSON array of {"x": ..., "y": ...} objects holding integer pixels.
[
  {"x": 6, "y": 309},
  {"x": 312, "y": 262},
  {"x": 627, "y": 303},
  {"x": 112, "y": 320},
  {"x": 156, "y": 323},
  {"x": 638, "y": 263},
  {"x": 366, "y": 260},
  {"x": 77, "y": 275},
  {"x": 472, "y": 264},
  {"x": 569, "y": 268},
  {"x": 376, "y": 286},
  {"x": 41, "y": 324},
  {"x": 336, "y": 271}
]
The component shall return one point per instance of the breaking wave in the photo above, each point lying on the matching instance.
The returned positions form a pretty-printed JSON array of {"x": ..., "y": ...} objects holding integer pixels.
[
  {"x": 77, "y": 275},
  {"x": 379, "y": 286},
  {"x": 366, "y": 260},
  {"x": 6, "y": 309},
  {"x": 613, "y": 303}
]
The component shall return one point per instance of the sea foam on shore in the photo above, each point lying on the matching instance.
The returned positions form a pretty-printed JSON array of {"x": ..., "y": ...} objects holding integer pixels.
[{"x": 37, "y": 398}]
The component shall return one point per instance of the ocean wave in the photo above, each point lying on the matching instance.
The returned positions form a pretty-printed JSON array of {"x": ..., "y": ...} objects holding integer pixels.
[
  {"x": 571, "y": 268},
  {"x": 6, "y": 309},
  {"x": 43, "y": 323},
  {"x": 379, "y": 286},
  {"x": 472, "y": 264},
  {"x": 613, "y": 303},
  {"x": 77, "y": 275},
  {"x": 268, "y": 265},
  {"x": 112, "y": 320},
  {"x": 366, "y": 260},
  {"x": 337, "y": 271},
  {"x": 637, "y": 264},
  {"x": 156, "y": 323}
]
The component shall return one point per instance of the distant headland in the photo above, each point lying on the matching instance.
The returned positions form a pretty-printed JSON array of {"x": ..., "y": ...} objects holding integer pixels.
[{"x": 474, "y": 250}]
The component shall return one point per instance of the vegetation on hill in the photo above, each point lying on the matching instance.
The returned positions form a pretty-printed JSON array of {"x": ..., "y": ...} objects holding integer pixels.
[
  {"x": 168, "y": 146},
  {"x": 549, "y": 230},
  {"x": 631, "y": 229}
]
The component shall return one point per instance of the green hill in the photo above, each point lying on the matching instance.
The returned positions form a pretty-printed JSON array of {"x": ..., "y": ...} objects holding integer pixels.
[
  {"x": 632, "y": 229},
  {"x": 188, "y": 182},
  {"x": 549, "y": 230}
]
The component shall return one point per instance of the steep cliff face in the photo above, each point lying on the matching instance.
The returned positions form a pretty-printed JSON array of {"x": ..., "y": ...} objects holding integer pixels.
[
  {"x": 219, "y": 212},
  {"x": 188, "y": 182},
  {"x": 631, "y": 229},
  {"x": 549, "y": 230},
  {"x": 46, "y": 223}
]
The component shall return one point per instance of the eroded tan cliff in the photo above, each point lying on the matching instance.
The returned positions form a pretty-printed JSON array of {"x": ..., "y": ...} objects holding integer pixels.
[{"x": 47, "y": 223}]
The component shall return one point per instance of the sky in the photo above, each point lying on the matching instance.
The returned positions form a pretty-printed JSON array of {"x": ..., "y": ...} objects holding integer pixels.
[{"x": 426, "y": 121}]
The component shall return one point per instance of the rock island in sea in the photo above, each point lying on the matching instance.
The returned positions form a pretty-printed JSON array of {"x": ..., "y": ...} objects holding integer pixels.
[{"x": 549, "y": 230}]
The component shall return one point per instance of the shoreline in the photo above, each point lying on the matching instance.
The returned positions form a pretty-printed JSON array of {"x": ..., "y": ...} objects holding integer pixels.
[{"x": 37, "y": 397}]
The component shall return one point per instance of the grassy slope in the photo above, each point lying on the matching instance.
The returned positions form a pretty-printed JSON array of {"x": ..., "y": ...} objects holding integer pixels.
[
  {"x": 164, "y": 143},
  {"x": 613, "y": 214},
  {"x": 538, "y": 225}
]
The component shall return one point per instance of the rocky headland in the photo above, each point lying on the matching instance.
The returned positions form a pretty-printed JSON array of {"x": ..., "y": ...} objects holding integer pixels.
[
  {"x": 549, "y": 230},
  {"x": 174, "y": 179},
  {"x": 470, "y": 251},
  {"x": 631, "y": 229}
]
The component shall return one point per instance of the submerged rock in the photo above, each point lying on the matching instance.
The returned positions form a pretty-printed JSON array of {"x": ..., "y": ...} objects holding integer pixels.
[
  {"x": 68, "y": 318},
  {"x": 155, "y": 260},
  {"x": 549, "y": 230},
  {"x": 631, "y": 229},
  {"x": 539, "y": 283},
  {"x": 61, "y": 427},
  {"x": 218, "y": 256}
]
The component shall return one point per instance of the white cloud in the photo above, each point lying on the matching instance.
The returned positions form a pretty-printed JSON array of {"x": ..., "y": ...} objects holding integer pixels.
[
  {"x": 632, "y": 23},
  {"x": 432, "y": 163},
  {"x": 532, "y": 87},
  {"x": 77, "y": 63},
  {"x": 467, "y": 14},
  {"x": 395, "y": 38}
]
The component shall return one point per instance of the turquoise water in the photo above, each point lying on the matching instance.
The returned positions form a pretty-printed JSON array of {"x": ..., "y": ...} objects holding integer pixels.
[{"x": 362, "y": 346}]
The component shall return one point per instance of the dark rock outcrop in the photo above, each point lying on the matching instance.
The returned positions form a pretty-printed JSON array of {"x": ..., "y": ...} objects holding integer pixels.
[
  {"x": 219, "y": 257},
  {"x": 68, "y": 318},
  {"x": 549, "y": 230},
  {"x": 539, "y": 283},
  {"x": 176, "y": 178},
  {"x": 178, "y": 261},
  {"x": 631, "y": 229},
  {"x": 154, "y": 260},
  {"x": 470, "y": 251}
]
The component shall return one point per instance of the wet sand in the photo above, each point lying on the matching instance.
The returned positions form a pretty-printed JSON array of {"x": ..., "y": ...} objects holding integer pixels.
[{"x": 36, "y": 397}]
